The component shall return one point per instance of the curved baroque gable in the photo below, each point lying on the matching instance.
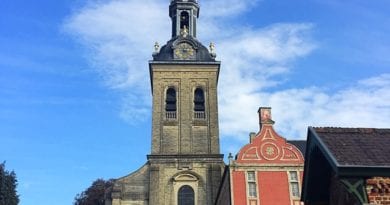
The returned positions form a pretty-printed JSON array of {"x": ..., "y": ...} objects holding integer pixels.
[{"x": 269, "y": 148}]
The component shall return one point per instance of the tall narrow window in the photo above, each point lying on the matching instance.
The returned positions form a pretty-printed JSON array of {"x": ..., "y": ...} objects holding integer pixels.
[
  {"x": 294, "y": 184},
  {"x": 184, "y": 20},
  {"x": 199, "y": 107},
  {"x": 186, "y": 196},
  {"x": 252, "y": 187},
  {"x": 170, "y": 103}
]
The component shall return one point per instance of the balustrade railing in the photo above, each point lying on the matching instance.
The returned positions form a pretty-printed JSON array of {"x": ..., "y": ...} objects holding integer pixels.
[
  {"x": 170, "y": 115},
  {"x": 199, "y": 115}
]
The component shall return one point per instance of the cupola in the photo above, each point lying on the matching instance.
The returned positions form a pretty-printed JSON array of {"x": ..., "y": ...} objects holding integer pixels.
[
  {"x": 184, "y": 46},
  {"x": 184, "y": 14}
]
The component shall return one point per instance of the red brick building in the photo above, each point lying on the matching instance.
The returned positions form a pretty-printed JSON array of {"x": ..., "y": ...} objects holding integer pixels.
[
  {"x": 347, "y": 166},
  {"x": 267, "y": 171}
]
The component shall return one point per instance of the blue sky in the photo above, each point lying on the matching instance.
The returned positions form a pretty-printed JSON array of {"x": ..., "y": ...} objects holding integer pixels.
[{"x": 75, "y": 94}]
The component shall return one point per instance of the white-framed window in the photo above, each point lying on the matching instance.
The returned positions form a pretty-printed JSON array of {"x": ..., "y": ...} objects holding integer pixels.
[
  {"x": 252, "y": 185},
  {"x": 185, "y": 186},
  {"x": 294, "y": 184}
]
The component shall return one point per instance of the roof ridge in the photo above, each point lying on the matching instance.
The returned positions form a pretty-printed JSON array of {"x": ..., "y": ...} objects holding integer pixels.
[{"x": 350, "y": 130}]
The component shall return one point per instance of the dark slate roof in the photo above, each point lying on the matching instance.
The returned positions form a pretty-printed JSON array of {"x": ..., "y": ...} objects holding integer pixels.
[
  {"x": 345, "y": 153},
  {"x": 300, "y": 144},
  {"x": 166, "y": 51},
  {"x": 357, "y": 146}
]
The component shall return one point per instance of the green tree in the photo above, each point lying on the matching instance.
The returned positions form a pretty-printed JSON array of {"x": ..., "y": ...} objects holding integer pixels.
[
  {"x": 94, "y": 195},
  {"x": 8, "y": 184}
]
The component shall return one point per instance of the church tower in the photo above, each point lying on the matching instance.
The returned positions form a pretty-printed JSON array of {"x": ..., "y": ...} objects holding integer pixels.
[
  {"x": 185, "y": 161},
  {"x": 185, "y": 164}
]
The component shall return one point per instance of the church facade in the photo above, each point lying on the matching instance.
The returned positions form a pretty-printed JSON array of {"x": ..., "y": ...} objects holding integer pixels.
[{"x": 185, "y": 165}]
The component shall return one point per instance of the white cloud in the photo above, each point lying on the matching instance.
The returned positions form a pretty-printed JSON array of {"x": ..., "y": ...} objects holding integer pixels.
[
  {"x": 120, "y": 35},
  {"x": 366, "y": 104},
  {"x": 250, "y": 65}
]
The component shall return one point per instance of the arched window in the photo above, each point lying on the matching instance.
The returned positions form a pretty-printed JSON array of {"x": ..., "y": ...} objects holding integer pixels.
[
  {"x": 199, "y": 100},
  {"x": 186, "y": 196},
  {"x": 170, "y": 100},
  {"x": 199, "y": 108},
  {"x": 184, "y": 20}
]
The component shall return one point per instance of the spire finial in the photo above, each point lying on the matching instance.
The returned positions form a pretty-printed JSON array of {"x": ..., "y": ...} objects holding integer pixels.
[{"x": 230, "y": 157}]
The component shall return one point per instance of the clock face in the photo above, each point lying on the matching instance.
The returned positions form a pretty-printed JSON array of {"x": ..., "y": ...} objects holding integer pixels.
[{"x": 184, "y": 51}]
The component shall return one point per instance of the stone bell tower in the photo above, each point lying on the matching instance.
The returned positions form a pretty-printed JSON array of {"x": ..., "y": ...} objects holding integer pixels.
[
  {"x": 185, "y": 164},
  {"x": 185, "y": 161}
]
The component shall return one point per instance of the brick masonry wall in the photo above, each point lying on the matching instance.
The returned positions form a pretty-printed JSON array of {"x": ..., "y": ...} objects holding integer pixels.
[
  {"x": 239, "y": 188},
  {"x": 185, "y": 144},
  {"x": 185, "y": 135},
  {"x": 378, "y": 190},
  {"x": 274, "y": 188}
]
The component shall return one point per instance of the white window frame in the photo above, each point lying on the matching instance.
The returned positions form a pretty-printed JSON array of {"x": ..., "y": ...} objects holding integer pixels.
[
  {"x": 182, "y": 180},
  {"x": 292, "y": 181},
  {"x": 251, "y": 180}
]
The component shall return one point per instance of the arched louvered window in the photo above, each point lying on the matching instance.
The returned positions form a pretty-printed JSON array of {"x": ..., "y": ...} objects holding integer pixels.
[
  {"x": 170, "y": 100},
  {"x": 186, "y": 196},
  {"x": 199, "y": 100},
  {"x": 199, "y": 108},
  {"x": 170, "y": 104}
]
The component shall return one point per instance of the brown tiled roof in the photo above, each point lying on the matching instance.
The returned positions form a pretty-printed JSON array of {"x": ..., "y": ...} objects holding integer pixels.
[{"x": 357, "y": 146}]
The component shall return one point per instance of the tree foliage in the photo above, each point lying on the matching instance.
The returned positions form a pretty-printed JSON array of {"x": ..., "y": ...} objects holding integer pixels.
[
  {"x": 94, "y": 195},
  {"x": 8, "y": 184}
]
